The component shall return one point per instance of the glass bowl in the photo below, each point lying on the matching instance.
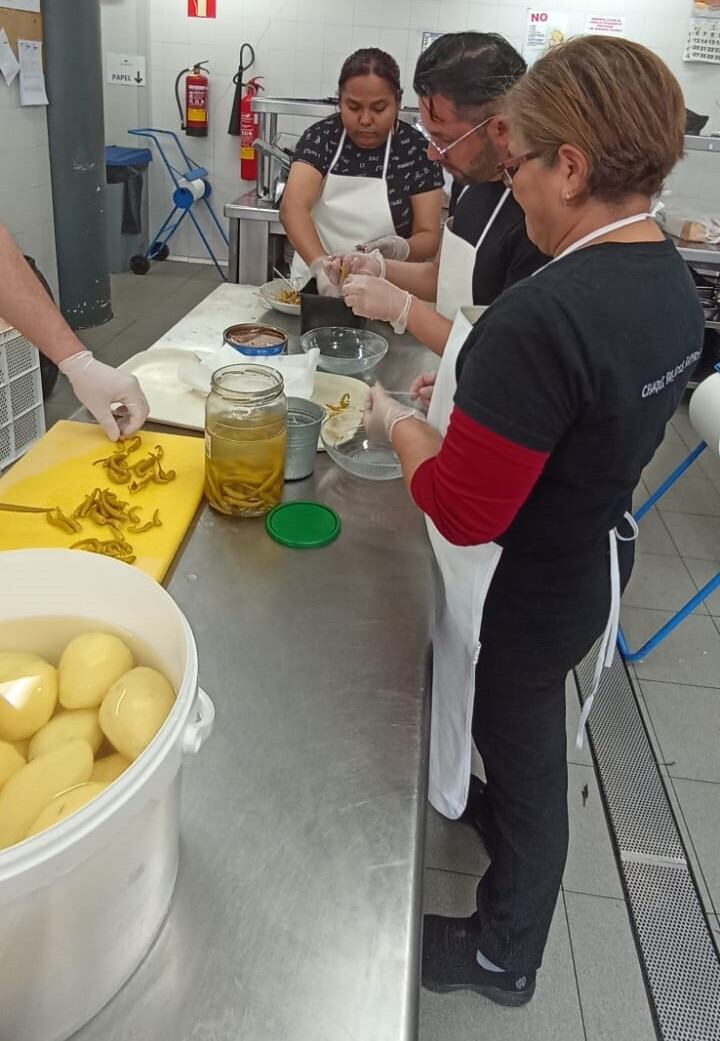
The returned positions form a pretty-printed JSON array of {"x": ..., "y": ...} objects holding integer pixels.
[
  {"x": 346, "y": 352},
  {"x": 347, "y": 443}
]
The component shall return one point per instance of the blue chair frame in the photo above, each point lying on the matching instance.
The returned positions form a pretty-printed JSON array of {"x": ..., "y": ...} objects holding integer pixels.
[{"x": 693, "y": 602}]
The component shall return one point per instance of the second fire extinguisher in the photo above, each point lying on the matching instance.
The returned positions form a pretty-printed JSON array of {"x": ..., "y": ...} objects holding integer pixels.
[
  {"x": 194, "y": 115},
  {"x": 249, "y": 126}
]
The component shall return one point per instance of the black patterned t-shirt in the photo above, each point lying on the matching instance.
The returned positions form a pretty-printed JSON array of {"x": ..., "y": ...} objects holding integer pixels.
[{"x": 410, "y": 172}]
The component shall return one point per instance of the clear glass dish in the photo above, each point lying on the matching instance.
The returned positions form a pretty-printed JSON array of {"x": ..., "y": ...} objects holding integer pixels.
[
  {"x": 347, "y": 352},
  {"x": 347, "y": 443}
]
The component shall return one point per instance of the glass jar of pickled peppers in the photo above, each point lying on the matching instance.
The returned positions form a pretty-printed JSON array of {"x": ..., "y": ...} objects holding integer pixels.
[{"x": 245, "y": 433}]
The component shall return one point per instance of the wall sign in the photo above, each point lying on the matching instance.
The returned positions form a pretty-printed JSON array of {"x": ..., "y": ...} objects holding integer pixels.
[
  {"x": 703, "y": 39},
  {"x": 201, "y": 8},
  {"x": 125, "y": 70},
  {"x": 606, "y": 25},
  {"x": 544, "y": 29}
]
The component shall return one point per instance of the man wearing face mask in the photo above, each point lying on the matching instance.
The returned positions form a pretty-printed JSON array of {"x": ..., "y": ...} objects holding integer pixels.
[{"x": 460, "y": 81}]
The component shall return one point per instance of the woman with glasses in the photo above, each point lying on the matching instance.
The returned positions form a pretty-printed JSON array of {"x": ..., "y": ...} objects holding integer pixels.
[
  {"x": 564, "y": 389},
  {"x": 461, "y": 80},
  {"x": 361, "y": 177}
]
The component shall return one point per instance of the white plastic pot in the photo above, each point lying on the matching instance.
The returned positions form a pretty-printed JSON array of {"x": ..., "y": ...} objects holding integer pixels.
[{"x": 81, "y": 903}]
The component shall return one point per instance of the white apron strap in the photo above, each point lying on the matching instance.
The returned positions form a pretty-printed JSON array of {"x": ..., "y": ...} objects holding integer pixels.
[
  {"x": 609, "y": 637},
  {"x": 501, "y": 202},
  {"x": 337, "y": 152},
  {"x": 388, "y": 147}
]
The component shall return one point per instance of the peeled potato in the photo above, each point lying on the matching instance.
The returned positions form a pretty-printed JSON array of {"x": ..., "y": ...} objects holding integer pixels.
[
  {"x": 134, "y": 709},
  {"x": 35, "y": 785},
  {"x": 64, "y": 804},
  {"x": 21, "y": 747},
  {"x": 10, "y": 762},
  {"x": 67, "y": 725},
  {"x": 109, "y": 768},
  {"x": 28, "y": 693},
  {"x": 89, "y": 666}
]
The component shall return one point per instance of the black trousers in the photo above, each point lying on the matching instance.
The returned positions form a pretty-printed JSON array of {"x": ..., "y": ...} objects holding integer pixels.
[{"x": 519, "y": 729}]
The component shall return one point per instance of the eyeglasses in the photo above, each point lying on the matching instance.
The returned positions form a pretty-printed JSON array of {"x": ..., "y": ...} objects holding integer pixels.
[
  {"x": 506, "y": 170},
  {"x": 444, "y": 149}
]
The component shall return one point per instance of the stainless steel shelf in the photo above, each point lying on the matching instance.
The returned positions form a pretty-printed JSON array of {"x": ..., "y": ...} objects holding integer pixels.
[
  {"x": 316, "y": 108},
  {"x": 697, "y": 143}
]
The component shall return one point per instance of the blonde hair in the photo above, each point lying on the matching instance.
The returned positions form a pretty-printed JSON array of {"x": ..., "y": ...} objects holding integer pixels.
[{"x": 614, "y": 100}]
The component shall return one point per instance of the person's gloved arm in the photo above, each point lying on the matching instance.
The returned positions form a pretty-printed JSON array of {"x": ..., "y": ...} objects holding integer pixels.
[
  {"x": 321, "y": 270},
  {"x": 384, "y": 413},
  {"x": 377, "y": 298},
  {"x": 344, "y": 264},
  {"x": 391, "y": 246},
  {"x": 421, "y": 389},
  {"x": 99, "y": 387}
]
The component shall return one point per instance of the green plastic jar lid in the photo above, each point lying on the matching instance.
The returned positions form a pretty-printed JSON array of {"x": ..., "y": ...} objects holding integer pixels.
[{"x": 303, "y": 525}]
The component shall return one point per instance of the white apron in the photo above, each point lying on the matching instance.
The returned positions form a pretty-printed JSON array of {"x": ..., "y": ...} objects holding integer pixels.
[
  {"x": 350, "y": 210},
  {"x": 467, "y": 572},
  {"x": 457, "y": 264}
]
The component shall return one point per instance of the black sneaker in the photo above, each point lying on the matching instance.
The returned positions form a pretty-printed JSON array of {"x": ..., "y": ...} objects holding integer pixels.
[
  {"x": 449, "y": 962},
  {"x": 477, "y": 813}
]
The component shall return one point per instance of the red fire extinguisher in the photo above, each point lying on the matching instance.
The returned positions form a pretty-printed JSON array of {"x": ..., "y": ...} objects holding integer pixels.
[
  {"x": 194, "y": 116},
  {"x": 249, "y": 126}
]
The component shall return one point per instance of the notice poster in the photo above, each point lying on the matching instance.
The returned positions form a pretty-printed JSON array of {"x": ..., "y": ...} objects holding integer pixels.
[
  {"x": 605, "y": 24},
  {"x": 703, "y": 39},
  {"x": 201, "y": 8},
  {"x": 545, "y": 29}
]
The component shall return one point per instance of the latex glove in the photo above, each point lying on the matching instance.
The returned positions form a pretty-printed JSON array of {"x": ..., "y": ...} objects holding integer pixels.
[
  {"x": 421, "y": 389},
  {"x": 320, "y": 270},
  {"x": 346, "y": 264},
  {"x": 377, "y": 298},
  {"x": 392, "y": 247},
  {"x": 100, "y": 387},
  {"x": 383, "y": 412}
]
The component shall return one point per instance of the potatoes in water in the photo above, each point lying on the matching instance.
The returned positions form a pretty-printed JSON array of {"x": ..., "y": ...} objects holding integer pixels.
[
  {"x": 67, "y": 725},
  {"x": 35, "y": 785},
  {"x": 134, "y": 709},
  {"x": 109, "y": 768},
  {"x": 65, "y": 804},
  {"x": 89, "y": 666},
  {"x": 10, "y": 762},
  {"x": 28, "y": 694}
]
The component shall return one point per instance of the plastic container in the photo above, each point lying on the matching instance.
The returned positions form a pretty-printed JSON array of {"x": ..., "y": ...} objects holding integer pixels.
[
  {"x": 347, "y": 443},
  {"x": 22, "y": 416},
  {"x": 81, "y": 903},
  {"x": 304, "y": 421}
]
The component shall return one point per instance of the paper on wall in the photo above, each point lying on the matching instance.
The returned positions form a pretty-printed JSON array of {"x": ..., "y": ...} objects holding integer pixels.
[
  {"x": 545, "y": 29},
  {"x": 605, "y": 24},
  {"x": 32, "y": 77},
  {"x": 9, "y": 65}
]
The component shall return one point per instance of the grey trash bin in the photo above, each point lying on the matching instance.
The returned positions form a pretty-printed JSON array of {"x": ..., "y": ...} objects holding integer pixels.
[{"x": 126, "y": 210}]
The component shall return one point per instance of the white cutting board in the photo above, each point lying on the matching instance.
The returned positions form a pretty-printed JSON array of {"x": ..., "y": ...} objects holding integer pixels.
[{"x": 173, "y": 403}]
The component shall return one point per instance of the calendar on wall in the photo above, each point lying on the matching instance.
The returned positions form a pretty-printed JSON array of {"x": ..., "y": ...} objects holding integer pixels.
[{"x": 703, "y": 39}]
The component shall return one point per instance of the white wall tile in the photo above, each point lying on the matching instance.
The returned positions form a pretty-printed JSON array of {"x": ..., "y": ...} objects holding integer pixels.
[
  {"x": 484, "y": 17},
  {"x": 338, "y": 39},
  {"x": 424, "y": 15},
  {"x": 366, "y": 36},
  {"x": 452, "y": 17},
  {"x": 395, "y": 42}
]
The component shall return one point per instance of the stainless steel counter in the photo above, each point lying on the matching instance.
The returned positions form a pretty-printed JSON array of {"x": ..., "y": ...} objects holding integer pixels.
[
  {"x": 253, "y": 224},
  {"x": 297, "y": 909}
]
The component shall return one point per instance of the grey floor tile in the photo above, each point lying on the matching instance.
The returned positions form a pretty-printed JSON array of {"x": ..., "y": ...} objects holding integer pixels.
[
  {"x": 453, "y": 846},
  {"x": 591, "y": 866},
  {"x": 552, "y": 1015},
  {"x": 654, "y": 536},
  {"x": 686, "y": 721},
  {"x": 700, "y": 802},
  {"x": 659, "y": 581},
  {"x": 688, "y": 841},
  {"x": 691, "y": 495},
  {"x": 612, "y": 993},
  {"x": 709, "y": 463},
  {"x": 689, "y": 655},
  {"x": 683, "y": 426},
  {"x": 693, "y": 535},
  {"x": 702, "y": 571}
]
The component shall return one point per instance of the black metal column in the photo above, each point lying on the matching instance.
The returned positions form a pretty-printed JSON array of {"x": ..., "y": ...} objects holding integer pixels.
[{"x": 76, "y": 132}]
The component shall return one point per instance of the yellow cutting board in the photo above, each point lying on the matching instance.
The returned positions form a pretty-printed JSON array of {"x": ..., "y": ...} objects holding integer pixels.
[{"x": 59, "y": 471}]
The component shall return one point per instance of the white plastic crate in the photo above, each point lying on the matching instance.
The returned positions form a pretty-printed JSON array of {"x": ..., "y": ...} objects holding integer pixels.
[{"x": 22, "y": 416}]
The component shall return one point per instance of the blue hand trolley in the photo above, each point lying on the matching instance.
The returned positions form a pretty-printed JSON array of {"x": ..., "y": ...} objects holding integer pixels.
[{"x": 184, "y": 198}]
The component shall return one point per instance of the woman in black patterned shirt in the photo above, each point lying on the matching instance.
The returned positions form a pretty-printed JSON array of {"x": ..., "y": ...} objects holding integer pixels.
[{"x": 362, "y": 177}]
